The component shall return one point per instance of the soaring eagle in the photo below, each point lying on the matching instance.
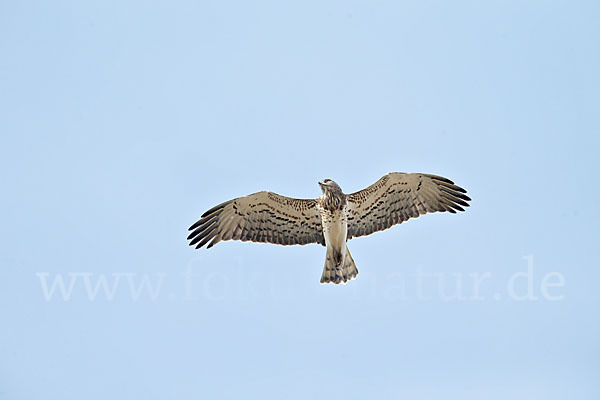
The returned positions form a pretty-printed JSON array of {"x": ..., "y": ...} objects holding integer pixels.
[{"x": 331, "y": 219}]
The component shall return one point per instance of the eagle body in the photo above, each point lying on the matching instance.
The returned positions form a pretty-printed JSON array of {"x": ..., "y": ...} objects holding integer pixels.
[
  {"x": 335, "y": 228},
  {"x": 339, "y": 265},
  {"x": 331, "y": 219}
]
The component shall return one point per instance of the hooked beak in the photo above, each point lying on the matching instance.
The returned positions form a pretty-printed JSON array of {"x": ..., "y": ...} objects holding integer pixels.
[{"x": 321, "y": 183}]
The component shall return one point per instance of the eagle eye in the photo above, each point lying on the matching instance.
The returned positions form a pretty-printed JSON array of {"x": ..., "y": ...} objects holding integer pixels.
[{"x": 327, "y": 180}]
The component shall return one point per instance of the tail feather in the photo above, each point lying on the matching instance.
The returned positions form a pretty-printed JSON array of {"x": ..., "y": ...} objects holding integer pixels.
[{"x": 339, "y": 269}]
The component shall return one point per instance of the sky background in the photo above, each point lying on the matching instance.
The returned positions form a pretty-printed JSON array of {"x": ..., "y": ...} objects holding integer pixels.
[{"x": 123, "y": 121}]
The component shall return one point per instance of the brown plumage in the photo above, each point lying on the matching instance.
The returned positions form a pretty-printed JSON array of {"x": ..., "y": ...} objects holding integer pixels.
[
  {"x": 396, "y": 197},
  {"x": 330, "y": 219},
  {"x": 260, "y": 217}
]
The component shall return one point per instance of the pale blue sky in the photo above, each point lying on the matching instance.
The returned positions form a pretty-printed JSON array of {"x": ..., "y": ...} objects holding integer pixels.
[{"x": 123, "y": 121}]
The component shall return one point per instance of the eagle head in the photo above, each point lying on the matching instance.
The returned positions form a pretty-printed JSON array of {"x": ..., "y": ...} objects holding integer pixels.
[
  {"x": 327, "y": 185},
  {"x": 333, "y": 198}
]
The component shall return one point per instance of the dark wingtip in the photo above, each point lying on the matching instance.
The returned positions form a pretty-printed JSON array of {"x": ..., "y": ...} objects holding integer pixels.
[
  {"x": 215, "y": 208},
  {"x": 441, "y": 178},
  {"x": 457, "y": 207},
  {"x": 196, "y": 224}
]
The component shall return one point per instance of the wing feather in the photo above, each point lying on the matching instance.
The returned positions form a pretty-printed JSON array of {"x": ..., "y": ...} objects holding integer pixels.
[
  {"x": 397, "y": 197},
  {"x": 260, "y": 217}
]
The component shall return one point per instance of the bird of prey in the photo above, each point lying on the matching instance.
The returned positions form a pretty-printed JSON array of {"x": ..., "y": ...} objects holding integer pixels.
[{"x": 331, "y": 219}]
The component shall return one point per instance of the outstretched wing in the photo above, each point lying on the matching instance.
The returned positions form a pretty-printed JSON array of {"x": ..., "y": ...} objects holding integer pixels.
[
  {"x": 260, "y": 217},
  {"x": 396, "y": 197}
]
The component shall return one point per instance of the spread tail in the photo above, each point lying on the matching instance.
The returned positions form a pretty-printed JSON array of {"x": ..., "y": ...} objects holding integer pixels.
[{"x": 338, "y": 268}]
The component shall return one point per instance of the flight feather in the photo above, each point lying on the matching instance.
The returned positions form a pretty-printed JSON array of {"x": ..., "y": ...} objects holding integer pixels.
[
  {"x": 397, "y": 197},
  {"x": 260, "y": 217}
]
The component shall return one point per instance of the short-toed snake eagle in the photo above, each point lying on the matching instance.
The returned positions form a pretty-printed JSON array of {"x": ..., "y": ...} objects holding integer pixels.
[{"x": 331, "y": 219}]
